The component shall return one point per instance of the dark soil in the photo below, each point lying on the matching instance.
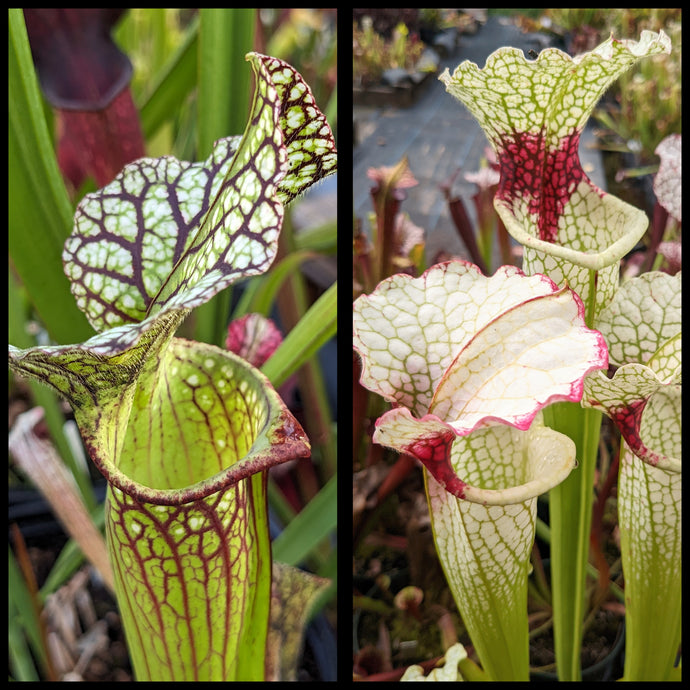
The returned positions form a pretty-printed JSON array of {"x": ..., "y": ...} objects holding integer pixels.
[{"x": 599, "y": 641}]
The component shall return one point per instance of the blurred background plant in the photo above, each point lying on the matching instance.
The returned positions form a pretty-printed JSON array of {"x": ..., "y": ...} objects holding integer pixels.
[
  {"x": 405, "y": 39},
  {"x": 483, "y": 239},
  {"x": 189, "y": 85},
  {"x": 643, "y": 107},
  {"x": 373, "y": 53}
]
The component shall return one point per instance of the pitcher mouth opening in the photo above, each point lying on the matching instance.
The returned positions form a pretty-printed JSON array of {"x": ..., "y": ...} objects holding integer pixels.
[{"x": 204, "y": 424}]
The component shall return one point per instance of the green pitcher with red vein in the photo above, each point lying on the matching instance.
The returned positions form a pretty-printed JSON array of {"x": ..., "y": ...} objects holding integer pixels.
[{"x": 183, "y": 431}]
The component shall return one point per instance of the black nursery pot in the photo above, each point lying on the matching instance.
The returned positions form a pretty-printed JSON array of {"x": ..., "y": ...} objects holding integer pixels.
[{"x": 608, "y": 668}]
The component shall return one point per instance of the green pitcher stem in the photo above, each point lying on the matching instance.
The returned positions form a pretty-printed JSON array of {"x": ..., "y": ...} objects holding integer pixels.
[
  {"x": 484, "y": 547},
  {"x": 570, "y": 514},
  {"x": 193, "y": 583}
]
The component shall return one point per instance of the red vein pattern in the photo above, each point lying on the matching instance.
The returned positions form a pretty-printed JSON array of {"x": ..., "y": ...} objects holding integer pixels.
[{"x": 183, "y": 570}]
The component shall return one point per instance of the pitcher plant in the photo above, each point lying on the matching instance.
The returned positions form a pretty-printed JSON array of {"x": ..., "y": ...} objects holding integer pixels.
[
  {"x": 498, "y": 384},
  {"x": 183, "y": 431}
]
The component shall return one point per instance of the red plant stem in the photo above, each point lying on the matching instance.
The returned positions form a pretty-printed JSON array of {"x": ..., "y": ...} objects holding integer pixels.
[
  {"x": 458, "y": 213},
  {"x": 398, "y": 473},
  {"x": 656, "y": 234},
  {"x": 504, "y": 242},
  {"x": 360, "y": 397},
  {"x": 362, "y": 260},
  {"x": 387, "y": 207},
  {"x": 374, "y": 455}
]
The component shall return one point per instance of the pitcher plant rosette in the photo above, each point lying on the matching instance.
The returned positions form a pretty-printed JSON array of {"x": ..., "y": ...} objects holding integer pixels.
[
  {"x": 184, "y": 431},
  {"x": 533, "y": 113},
  {"x": 486, "y": 375},
  {"x": 468, "y": 362}
]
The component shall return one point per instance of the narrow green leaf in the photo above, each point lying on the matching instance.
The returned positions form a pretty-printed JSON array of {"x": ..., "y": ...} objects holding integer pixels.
[
  {"x": 570, "y": 514},
  {"x": 70, "y": 558},
  {"x": 304, "y": 340},
  {"x": 176, "y": 80},
  {"x": 23, "y": 620},
  {"x": 264, "y": 295},
  {"x": 311, "y": 525},
  {"x": 40, "y": 213},
  {"x": 323, "y": 238},
  {"x": 21, "y": 663},
  {"x": 329, "y": 569},
  {"x": 226, "y": 36}
]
